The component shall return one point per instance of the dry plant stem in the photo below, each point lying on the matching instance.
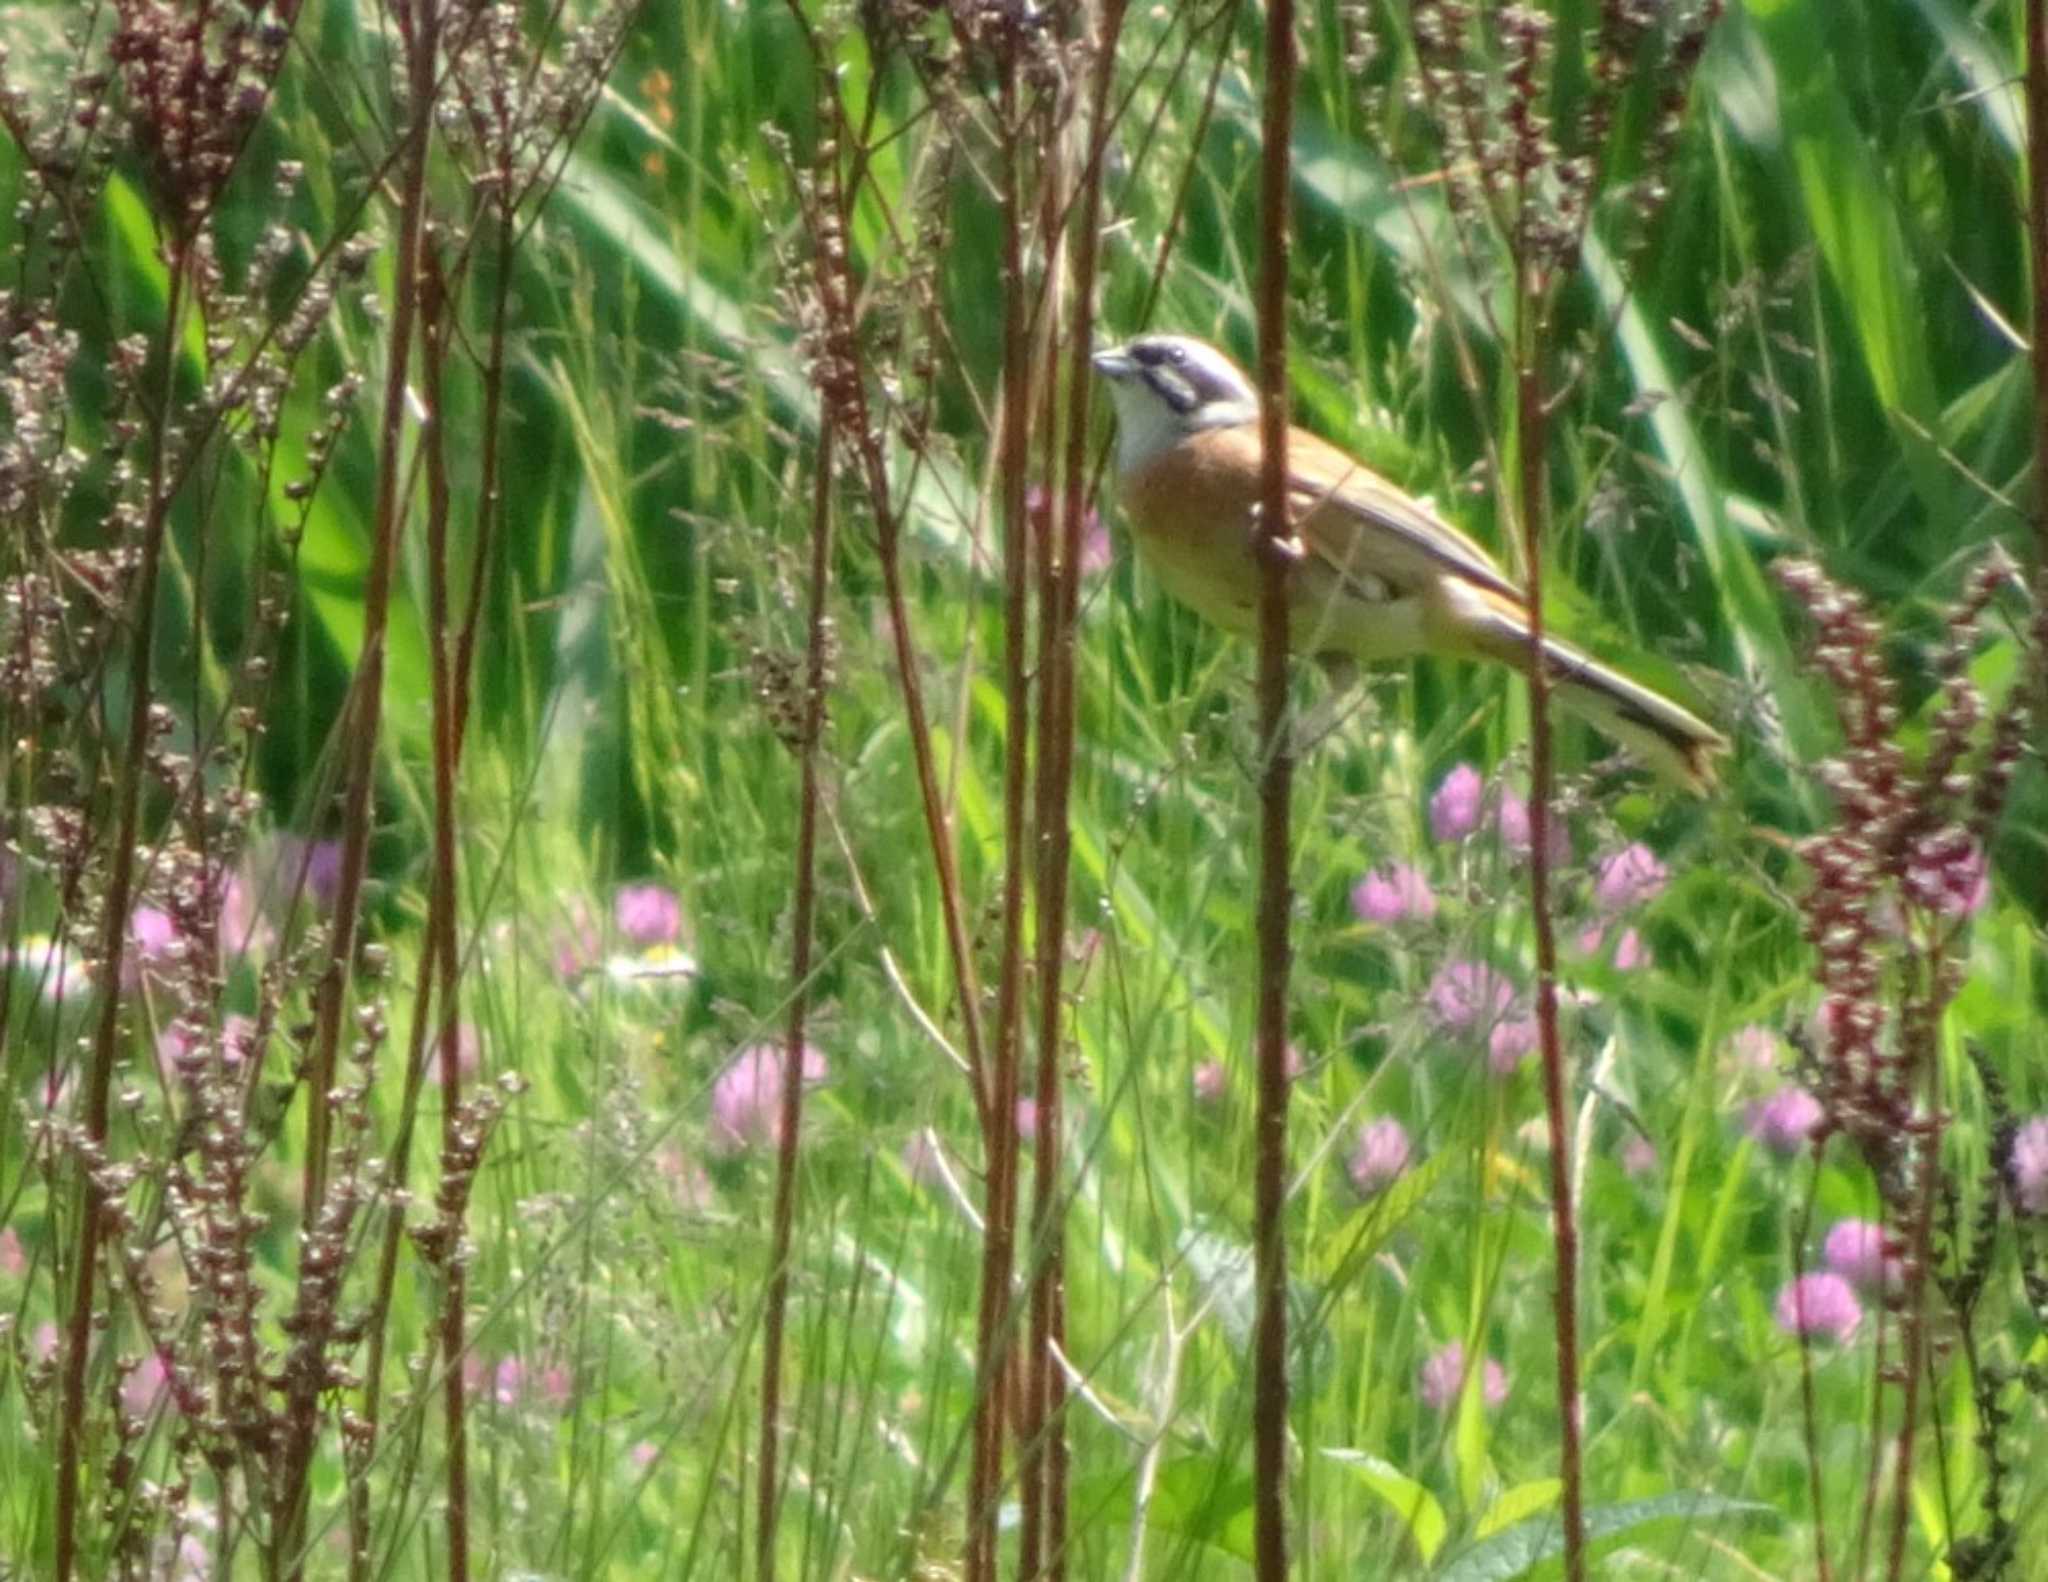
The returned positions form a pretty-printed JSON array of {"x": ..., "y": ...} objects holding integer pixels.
[
  {"x": 993, "y": 1325},
  {"x": 1059, "y": 605},
  {"x": 1913, "y": 1336},
  {"x": 846, "y": 384},
  {"x": 1042, "y": 1462},
  {"x": 488, "y": 497},
  {"x": 2037, "y": 245},
  {"x": 419, "y": 29},
  {"x": 1810, "y": 1411},
  {"x": 1530, "y": 439},
  {"x": 442, "y": 961},
  {"x": 803, "y": 926},
  {"x": 78, "y": 1326},
  {"x": 1054, "y": 763},
  {"x": 1276, "y": 787}
]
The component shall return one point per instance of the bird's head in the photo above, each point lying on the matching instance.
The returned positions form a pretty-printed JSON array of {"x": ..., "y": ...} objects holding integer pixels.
[{"x": 1166, "y": 387}]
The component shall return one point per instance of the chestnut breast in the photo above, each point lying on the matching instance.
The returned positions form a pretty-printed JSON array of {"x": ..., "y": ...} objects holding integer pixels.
[{"x": 1192, "y": 510}]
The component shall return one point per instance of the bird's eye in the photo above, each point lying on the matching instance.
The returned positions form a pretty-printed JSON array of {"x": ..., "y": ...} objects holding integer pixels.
[{"x": 1177, "y": 355}]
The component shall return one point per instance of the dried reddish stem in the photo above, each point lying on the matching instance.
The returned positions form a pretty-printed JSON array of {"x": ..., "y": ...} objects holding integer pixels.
[
  {"x": 1530, "y": 440},
  {"x": 1043, "y": 1550},
  {"x": 420, "y": 30},
  {"x": 78, "y": 1325},
  {"x": 1054, "y": 766},
  {"x": 1000, "y": 1207},
  {"x": 1809, "y": 1410},
  {"x": 2037, "y": 244},
  {"x": 1276, "y": 788},
  {"x": 442, "y": 963},
  {"x": 816, "y": 661},
  {"x": 842, "y": 382}
]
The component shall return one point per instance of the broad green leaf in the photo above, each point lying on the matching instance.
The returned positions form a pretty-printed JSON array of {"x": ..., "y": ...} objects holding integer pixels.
[
  {"x": 1203, "y": 1499},
  {"x": 1523, "y": 1547},
  {"x": 1523, "y": 1500},
  {"x": 1410, "y": 1501}
]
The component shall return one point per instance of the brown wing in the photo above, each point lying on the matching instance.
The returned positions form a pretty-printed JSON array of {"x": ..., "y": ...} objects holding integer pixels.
[{"x": 1374, "y": 533}]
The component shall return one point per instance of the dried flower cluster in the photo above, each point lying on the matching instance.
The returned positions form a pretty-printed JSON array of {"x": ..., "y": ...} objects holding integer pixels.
[
  {"x": 161, "y": 455},
  {"x": 1896, "y": 879},
  {"x": 1901, "y": 870},
  {"x": 1487, "y": 78}
]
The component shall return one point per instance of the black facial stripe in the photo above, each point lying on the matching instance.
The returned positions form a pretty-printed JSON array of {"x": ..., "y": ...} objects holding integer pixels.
[{"x": 1172, "y": 387}]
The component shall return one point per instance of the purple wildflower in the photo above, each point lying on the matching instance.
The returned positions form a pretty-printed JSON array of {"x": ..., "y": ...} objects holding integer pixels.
[
  {"x": 2030, "y": 1166},
  {"x": 1380, "y": 1156},
  {"x": 1628, "y": 878},
  {"x": 746, "y": 1100},
  {"x": 1855, "y": 1250},
  {"x": 648, "y": 915},
  {"x": 314, "y": 863},
  {"x": 1819, "y": 1304},
  {"x": 1443, "y": 1378},
  {"x": 1516, "y": 836},
  {"x": 1468, "y": 996},
  {"x": 1393, "y": 894},
  {"x": 1783, "y": 1121},
  {"x": 1454, "y": 809},
  {"x": 1629, "y": 950},
  {"x": 1754, "y": 1048},
  {"x": 145, "y": 1384},
  {"x": 1512, "y": 1041}
]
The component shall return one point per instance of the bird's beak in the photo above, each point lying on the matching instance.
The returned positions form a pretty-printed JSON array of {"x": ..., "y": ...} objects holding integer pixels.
[{"x": 1113, "y": 362}]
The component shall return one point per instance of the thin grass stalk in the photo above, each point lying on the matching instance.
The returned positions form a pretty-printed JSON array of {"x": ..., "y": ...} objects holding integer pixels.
[
  {"x": 1276, "y": 789},
  {"x": 419, "y": 31},
  {"x": 78, "y": 1327},
  {"x": 817, "y": 660},
  {"x": 1531, "y": 436},
  {"x": 993, "y": 1306},
  {"x": 442, "y": 961}
]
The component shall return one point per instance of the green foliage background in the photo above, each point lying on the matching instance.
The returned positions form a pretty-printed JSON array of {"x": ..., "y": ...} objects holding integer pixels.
[{"x": 1819, "y": 350}]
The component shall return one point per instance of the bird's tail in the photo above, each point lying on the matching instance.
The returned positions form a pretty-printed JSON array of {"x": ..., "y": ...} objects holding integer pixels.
[{"x": 1670, "y": 737}]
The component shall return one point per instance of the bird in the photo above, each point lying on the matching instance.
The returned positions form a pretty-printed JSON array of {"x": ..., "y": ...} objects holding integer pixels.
[{"x": 1376, "y": 574}]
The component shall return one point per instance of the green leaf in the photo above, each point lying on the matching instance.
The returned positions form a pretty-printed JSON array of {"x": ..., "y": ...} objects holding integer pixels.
[
  {"x": 1524, "y": 1499},
  {"x": 1522, "y": 1547},
  {"x": 1416, "y": 1507},
  {"x": 1203, "y": 1499}
]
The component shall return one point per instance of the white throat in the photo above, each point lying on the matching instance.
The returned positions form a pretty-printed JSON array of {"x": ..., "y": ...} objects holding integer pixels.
[{"x": 1146, "y": 427}]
